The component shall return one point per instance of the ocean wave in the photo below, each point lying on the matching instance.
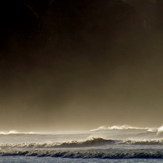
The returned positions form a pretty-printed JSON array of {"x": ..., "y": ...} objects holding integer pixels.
[
  {"x": 144, "y": 142},
  {"x": 94, "y": 142},
  {"x": 87, "y": 143},
  {"x": 123, "y": 127},
  {"x": 88, "y": 154},
  {"x": 73, "y": 144},
  {"x": 14, "y": 132}
]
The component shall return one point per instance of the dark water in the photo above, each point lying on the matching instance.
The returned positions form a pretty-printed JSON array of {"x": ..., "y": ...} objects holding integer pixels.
[{"x": 22, "y": 159}]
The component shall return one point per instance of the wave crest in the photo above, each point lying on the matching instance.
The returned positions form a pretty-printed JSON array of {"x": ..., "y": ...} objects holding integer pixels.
[
  {"x": 14, "y": 132},
  {"x": 122, "y": 127},
  {"x": 94, "y": 142},
  {"x": 144, "y": 142},
  {"x": 73, "y": 144},
  {"x": 87, "y": 143}
]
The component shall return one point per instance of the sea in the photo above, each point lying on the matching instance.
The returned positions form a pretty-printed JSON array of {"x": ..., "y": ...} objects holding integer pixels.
[{"x": 115, "y": 144}]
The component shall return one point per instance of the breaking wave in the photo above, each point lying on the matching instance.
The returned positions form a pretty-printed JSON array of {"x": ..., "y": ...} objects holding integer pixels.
[
  {"x": 14, "y": 132},
  {"x": 73, "y": 144},
  {"x": 92, "y": 148},
  {"x": 124, "y": 127},
  {"x": 126, "y": 131},
  {"x": 94, "y": 142},
  {"x": 144, "y": 142}
]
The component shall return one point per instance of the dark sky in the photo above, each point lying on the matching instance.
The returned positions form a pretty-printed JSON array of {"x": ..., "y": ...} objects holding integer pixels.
[{"x": 80, "y": 64}]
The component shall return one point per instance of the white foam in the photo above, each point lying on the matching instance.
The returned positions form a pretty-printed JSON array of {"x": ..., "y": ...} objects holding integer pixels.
[
  {"x": 15, "y": 132},
  {"x": 160, "y": 130},
  {"x": 122, "y": 127}
]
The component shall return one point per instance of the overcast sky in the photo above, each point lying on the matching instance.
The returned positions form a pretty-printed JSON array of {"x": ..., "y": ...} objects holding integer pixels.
[{"x": 80, "y": 64}]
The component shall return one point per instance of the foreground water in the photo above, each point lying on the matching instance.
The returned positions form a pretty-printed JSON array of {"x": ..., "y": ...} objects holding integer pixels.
[{"x": 114, "y": 145}]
